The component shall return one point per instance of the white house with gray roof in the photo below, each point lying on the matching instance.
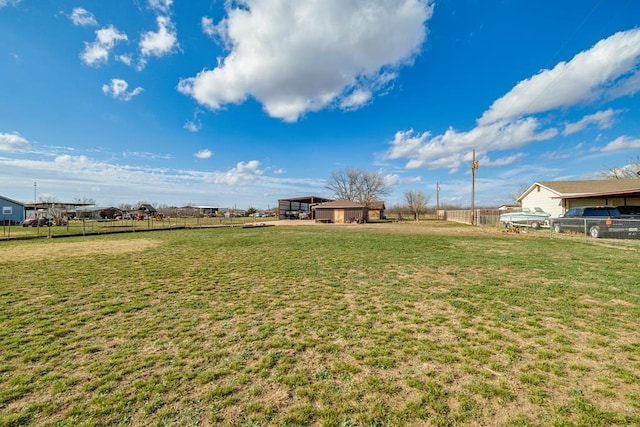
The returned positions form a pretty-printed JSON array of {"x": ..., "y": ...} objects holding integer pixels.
[{"x": 556, "y": 197}]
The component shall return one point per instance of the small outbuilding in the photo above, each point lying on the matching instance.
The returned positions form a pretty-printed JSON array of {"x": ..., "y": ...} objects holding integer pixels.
[
  {"x": 12, "y": 211},
  {"x": 376, "y": 211},
  {"x": 341, "y": 211}
]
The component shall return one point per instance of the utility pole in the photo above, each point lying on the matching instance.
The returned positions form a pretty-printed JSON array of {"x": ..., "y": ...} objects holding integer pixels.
[
  {"x": 437, "y": 200},
  {"x": 474, "y": 166},
  {"x": 35, "y": 185}
]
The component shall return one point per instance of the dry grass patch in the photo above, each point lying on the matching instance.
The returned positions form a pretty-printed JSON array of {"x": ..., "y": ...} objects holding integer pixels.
[{"x": 56, "y": 249}]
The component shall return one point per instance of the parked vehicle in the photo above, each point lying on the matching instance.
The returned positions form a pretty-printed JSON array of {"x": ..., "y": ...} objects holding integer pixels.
[
  {"x": 30, "y": 222},
  {"x": 598, "y": 221},
  {"x": 629, "y": 211},
  {"x": 35, "y": 222},
  {"x": 526, "y": 218}
]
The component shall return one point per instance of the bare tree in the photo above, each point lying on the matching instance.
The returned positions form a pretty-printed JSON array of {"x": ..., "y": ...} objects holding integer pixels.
[
  {"x": 397, "y": 210},
  {"x": 522, "y": 187},
  {"x": 630, "y": 171},
  {"x": 416, "y": 202},
  {"x": 344, "y": 183},
  {"x": 56, "y": 212},
  {"x": 372, "y": 188},
  {"x": 83, "y": 201},
  {"x": 357, "y": 185}
]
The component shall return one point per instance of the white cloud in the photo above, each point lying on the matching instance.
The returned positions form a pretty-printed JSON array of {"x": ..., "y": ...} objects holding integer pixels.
[
  {"x": 98, "y": 52},
  {"x": 392, "y": 180},
  {"x": 4, "y": 3},
  {"x": 502, "y": 161},
  {"x": 12, "y": 142},
  {"x": 596, "y": 73},
  {"x": 67, "y": 176},
  {"x": 193, "y": 126},
  {"x": 125, "y": 59},
  {"x": 298, "y": 56},
  {"x": 204, "y": 154},
  {"x": 405, "y": 144},
  {"x": 161, "y": 42},
  {"x": 82, "y": 17},
  {"x": 356, "y": 99},
  {"x": 162, "y": 6},
  {"x": 146, "y": 155},
  {"x": 602, "y": 119},
  {"x": 630, "y": 86},
  {"x": 117, "y": 89},
  {"x": 563, "y": 153},
  {"x": 452, "y": 148},
  {"x": 243, "y": 173},
  {"x": 208, "y": 26},
  {"x": 593, "y": 75},
  {"x": 622, "y": 143}
]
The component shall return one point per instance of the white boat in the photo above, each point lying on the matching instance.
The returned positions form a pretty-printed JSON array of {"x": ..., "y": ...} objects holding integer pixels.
[{"x": 526, "y": 217}]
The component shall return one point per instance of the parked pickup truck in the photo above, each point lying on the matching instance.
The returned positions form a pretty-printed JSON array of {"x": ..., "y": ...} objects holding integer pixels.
[
  {"x": 630, "y": 211},
  {"x": 598, "y": 221}
]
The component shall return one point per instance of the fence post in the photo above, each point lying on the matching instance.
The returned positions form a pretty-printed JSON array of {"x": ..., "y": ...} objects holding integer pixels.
[{"x": 585, "y": 229}]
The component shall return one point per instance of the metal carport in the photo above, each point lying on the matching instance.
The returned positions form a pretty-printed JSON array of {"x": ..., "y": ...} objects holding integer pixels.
[{"x": 299, "y": 207}]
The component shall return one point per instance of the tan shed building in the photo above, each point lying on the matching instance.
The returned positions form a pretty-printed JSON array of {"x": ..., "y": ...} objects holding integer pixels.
[
  {"x": 341, "y": 212},
  {"x": 376, "y": 211}
]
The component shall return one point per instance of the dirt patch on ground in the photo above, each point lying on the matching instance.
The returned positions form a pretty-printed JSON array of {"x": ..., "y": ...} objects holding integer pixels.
[
  {"x": 405, "y": 227},
  {"x": 56, "y": 249}
]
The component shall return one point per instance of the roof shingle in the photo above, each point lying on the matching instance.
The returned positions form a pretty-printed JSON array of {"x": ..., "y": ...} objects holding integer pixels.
[{"x": 595, "y": 186}]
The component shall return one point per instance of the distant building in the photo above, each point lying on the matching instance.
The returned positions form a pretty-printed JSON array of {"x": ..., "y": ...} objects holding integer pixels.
[
  {"x": 147, "y": 209},
  {"x": 98, "y": 213},
  {"x": 12, "y": 211},
  {"x": 205, "y": 210}
]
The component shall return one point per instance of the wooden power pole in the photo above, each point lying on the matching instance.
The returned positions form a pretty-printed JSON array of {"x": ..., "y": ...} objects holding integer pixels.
[
  {"x": 437, "y": 200},
  {"x": 474, "y": 166}
]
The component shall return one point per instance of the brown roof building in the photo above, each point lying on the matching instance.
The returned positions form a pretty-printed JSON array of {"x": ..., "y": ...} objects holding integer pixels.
[
  {"x": 376, "y": 210},
  {"x": 341, "y": 211}
]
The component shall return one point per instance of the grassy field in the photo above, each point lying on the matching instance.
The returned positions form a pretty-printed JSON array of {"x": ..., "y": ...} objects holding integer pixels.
[{"x": 372, "y": 325}]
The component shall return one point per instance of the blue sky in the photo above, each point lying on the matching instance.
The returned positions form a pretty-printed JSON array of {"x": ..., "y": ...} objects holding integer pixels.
[{"x": 241, "y": 103}]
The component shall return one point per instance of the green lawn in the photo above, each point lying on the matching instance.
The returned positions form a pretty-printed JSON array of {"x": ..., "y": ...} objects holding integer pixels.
[{"x": 375, "y": 325}]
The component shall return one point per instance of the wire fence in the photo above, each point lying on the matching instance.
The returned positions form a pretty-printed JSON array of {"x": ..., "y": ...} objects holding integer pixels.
[
  {"x": 88, "y": 227},
  {"x": 611, "y": 228},
  {"x": 580, "y": 228}
]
